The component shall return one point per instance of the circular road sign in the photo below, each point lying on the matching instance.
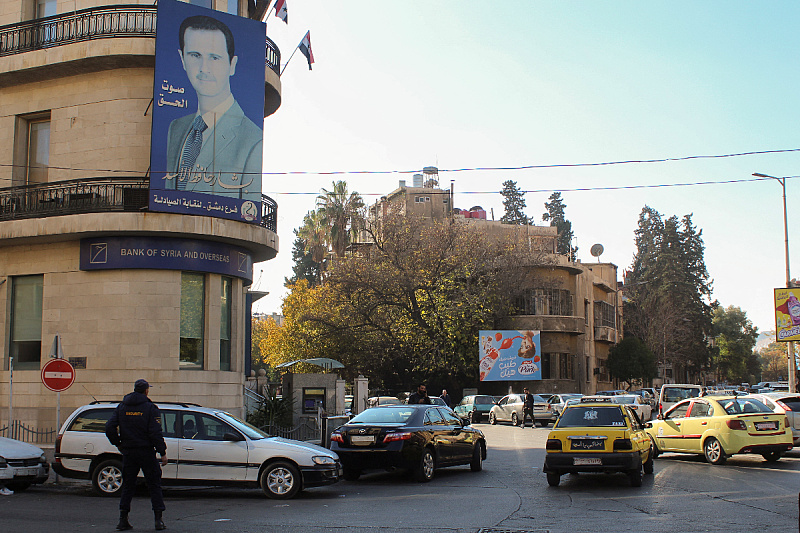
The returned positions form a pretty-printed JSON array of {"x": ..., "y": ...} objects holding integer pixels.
[{"x": 58, "y": 375}]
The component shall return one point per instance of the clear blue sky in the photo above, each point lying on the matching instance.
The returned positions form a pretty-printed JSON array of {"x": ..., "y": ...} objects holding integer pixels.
[{"x": 402, "y": 85}]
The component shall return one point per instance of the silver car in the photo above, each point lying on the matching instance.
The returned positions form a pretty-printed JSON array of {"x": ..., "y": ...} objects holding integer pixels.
[
  {"x": 21, "y": 464},
  {"x": 557, "y": 401},
  {"x": 510, "y": 409},
  {"x": 784, "y": 402}
]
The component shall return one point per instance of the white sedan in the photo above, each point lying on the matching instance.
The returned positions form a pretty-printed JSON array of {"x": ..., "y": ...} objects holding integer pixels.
[
  {"x": 637, "y": 403},
  {"x": 21, "y": 464}
]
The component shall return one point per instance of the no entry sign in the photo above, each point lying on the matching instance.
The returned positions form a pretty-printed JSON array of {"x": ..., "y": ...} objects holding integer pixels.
[{"x": 58, "y": 375}]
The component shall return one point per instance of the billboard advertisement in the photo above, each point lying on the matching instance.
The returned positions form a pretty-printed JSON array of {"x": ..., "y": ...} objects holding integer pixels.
[
  {"x": 787, "y": 315},
  {"x": 510, "y": 355},
  {"x": 208, "y": 113}
]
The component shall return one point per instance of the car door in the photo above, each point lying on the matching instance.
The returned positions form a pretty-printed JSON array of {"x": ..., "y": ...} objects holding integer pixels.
[
  {"x": 170, "y": 426},
  {"x": 639, "y": 438},
  {"x": 440, "y": 434},
  {"x": 505, "y": 408},
  {"x": 460, "y": 440},
  {"x": 204, "y": 454},
  {"x": 695, "y": 425},
  {"x": 669, "y": 430}
]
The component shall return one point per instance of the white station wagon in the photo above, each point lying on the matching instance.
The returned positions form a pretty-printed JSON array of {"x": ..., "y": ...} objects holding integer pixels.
[{"x": 204, "y": 446}]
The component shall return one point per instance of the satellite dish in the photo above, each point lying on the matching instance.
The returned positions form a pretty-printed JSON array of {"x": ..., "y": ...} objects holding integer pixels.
[{"x": 597, "y": 250}]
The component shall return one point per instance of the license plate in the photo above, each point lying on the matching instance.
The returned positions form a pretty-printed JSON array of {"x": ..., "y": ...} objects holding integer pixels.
[
  {"x": 362, "y": 440},
  {"x": 587, "y": 444},
  {"x": 766, "y": 426},
  {"x": 27, "y": 471},
  {"x": 584, "y": 461}
]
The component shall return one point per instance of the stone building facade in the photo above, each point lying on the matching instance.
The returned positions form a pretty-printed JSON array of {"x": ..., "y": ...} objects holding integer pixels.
[{"x": 76, "y": 90}]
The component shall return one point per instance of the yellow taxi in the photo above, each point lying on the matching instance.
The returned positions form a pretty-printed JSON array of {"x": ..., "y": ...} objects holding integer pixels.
[
  {"x": 720, "y": 426},
  {"x": 597, "y": 435}
]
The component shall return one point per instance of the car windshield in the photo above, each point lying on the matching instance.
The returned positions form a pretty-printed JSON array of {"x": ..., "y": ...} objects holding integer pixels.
[
  {"x": 538, "y": 399},
  {"x": 383, "y": 415},
  {"x": 591, "y": 416},
  {"x": 484, "y": 400},
  {"x": 676, "y": 394},
  {"x": 737, "y": 406},
  {"x": 251, "y": 431},
  {"x": 793, "y": 403},
  {"x": 625, "y": 399}
]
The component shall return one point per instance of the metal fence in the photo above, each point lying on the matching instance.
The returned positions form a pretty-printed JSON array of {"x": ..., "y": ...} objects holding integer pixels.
[
  {"x": 26, "y": 433},
  {"x": 307, "y": 429},
  {"x": 92, "y": 195},
  {"x": 132, "y": 20}
]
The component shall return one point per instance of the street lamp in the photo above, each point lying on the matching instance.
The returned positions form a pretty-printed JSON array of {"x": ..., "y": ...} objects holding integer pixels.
[{"x": 790, "y": 344}]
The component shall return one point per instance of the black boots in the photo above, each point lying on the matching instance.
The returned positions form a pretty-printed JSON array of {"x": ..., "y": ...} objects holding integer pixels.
[
  {"x": 123, "y": 525},
  {"x": 159, "y": 523}
]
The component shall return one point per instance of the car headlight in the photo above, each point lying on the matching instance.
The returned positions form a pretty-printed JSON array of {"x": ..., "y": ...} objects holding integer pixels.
[
  {"x": 323, "y": 460},
  {"x": 3, "y": 462},
  {"x": 43, "y": 459}
]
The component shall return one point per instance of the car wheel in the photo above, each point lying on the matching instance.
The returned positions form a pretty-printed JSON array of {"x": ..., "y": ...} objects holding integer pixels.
[
  {"x": 514, "y": 419},
  {"x": 352, "y": 474},
  {"x": 553, "y": 479},
  {"x": 18, "y": 486},
  {"x": 713, "y": 451},
  {"x": 427, "y": 463},
  {"x": 492, "y": 419},
  {"x": 656, "y": 451},
  {"x": 477, "y": 458},
  {"x": 648, "y": 465},
  {"x": 107, "y": 478},
  {"x": 771, "y": 456},
  {"x": 635, "y": 476},
  {"x": 280, "y": 480}
]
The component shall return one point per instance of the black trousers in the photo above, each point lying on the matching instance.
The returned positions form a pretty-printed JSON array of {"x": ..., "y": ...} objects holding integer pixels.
[
  {"x": 525, "y": 414},
  {"x": 144, "y": 459}
]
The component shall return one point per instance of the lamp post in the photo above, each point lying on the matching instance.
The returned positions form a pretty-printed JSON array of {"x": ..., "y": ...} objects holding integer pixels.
[{"x": 790, "y": 344}]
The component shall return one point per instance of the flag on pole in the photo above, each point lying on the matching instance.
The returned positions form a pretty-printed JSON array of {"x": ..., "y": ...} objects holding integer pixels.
[
  {"x": 305, "y": 48},
  {"x": 280, "y": 11}
]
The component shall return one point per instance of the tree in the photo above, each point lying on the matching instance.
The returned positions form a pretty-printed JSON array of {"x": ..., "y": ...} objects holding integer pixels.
[
  {"x": 315, "y": 235},
  {"x": 514, "y": 204},
  {"x": 409, "y": 308},
  {"x": 342, "y": 212},
  {"x": 773, "y": 360},
  {"x": 555, "y": 214},
  {"x": 631, "y": 361},
  {"x": 304, "y": 265},
  {"x": 668, "y": 291},
  {"x": 735, "y": 337}
]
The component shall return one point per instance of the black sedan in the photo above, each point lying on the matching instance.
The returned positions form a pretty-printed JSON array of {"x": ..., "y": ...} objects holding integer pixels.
[{"x": 419, "y": 438}]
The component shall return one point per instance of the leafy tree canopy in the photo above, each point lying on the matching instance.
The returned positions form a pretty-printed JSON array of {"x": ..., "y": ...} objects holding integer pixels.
[
  {"x": 735, "y": 337},
  {"x": 631, "y": 361}
]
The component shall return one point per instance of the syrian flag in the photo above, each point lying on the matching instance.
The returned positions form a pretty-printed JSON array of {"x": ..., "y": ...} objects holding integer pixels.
[
  {"x": 280, "y": 11},
  {"x": 305, "y": 47}
]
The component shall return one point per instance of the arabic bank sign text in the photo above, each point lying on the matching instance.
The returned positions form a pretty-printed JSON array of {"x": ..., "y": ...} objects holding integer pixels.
[
  {"x": 104, "y": 253},
  {"x": 510, "y": 355}
]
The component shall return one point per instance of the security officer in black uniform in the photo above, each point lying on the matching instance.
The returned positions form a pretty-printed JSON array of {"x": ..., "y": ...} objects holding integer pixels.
[{"x": 139, "y": 438}]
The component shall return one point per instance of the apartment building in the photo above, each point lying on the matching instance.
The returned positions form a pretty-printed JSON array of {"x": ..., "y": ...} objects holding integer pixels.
[
  {"x": 115, "y": 233},
  {"x": 576, "y": 307}
]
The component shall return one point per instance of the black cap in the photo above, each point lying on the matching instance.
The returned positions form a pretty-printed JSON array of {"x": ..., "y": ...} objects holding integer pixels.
[{"x": 141, "y": 385}]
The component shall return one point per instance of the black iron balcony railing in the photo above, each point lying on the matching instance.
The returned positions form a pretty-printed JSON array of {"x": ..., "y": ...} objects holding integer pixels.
[
  {"x": 132, "y": 20},
  {"x": 93, "y": 195}
]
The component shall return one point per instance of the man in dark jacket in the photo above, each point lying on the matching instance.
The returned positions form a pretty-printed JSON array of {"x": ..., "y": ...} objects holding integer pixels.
[
  {"x": 421, "y": 396},
  {"x": 135, "y": 428},
  {"x": 527, "y": 407}
]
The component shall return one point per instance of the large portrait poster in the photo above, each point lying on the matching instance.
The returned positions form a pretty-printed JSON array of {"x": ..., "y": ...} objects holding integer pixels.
[
  {"x": 208, "y": 113},
  {"x": 787, "y": 315},
  {"x": 510, "y": 355}
]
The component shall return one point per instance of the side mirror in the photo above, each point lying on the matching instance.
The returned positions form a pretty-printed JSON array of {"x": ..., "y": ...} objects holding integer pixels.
[
  {"x": 660, "y": 416},
  {"x": 648, "y": 425},
  {"x": 233, "y": 437}
]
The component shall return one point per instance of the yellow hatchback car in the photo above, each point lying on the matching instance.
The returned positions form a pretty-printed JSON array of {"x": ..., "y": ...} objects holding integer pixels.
[
  {"x": 718, "y": 427},
  {"x": 597, "y": 435}
]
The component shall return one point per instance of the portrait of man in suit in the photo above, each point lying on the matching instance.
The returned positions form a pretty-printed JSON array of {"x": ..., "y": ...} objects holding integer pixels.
[{"x": 217, "y": 149}]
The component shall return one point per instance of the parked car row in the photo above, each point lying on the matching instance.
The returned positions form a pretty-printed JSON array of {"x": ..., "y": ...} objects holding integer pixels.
[{"x": 21, "y": 464}]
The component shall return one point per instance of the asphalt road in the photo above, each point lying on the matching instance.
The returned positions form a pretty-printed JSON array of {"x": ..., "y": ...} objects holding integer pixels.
[{"x": 510, "y": 495}]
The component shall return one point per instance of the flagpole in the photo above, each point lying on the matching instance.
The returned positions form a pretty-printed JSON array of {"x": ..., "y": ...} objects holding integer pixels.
[{"x": 290, "y": 58}]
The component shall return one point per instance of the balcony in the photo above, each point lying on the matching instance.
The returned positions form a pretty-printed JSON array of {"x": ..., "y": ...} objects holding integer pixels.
[
  {"x": 133, "y": 22},
  {"x": 93, "y": 195}
]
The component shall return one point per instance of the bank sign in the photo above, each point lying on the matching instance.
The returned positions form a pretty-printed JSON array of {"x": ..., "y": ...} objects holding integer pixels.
[
  {"x": 510, "y": 355},
  {"x": 787, "y": 315},
  {"x": 104, "y": 253}
]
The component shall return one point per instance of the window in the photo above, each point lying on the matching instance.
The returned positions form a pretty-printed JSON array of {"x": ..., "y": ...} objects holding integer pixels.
[
  {"x": 588, "y": 374},
  {"x": 203, "y": 427},
  {"x": 565, "y": 371},
  {"x": 31, "y": 149},
  {"x": 233, "y": 7},
  {"x": 226, "y": 311},
  {"x": 26, "y": 322},
  {"x": 556, "y": 302},
  {"x": 433, "y": 417},
  {"x": 201, "y": 3},
  {"x": 193, "y": 290},
  {"x": 45, "y": 8},
  {"x": 604, "y": 315},
  {"x": 93, "y": 421},
  {"x": 546, "y": 366},
  {"x": 700, "y": 409}
]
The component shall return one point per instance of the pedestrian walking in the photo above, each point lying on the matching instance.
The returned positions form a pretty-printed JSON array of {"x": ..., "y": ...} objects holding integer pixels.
[
  {"x": 527, "y": 408},
  {"x": 446, "y": 398},
  {"x": 135, "y": 429}
]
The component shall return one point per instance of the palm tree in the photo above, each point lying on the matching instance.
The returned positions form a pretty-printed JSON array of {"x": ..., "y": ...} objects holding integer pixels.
[
  {"x": 314, "y": 233},
  {"x": 343, "y": 213}
]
